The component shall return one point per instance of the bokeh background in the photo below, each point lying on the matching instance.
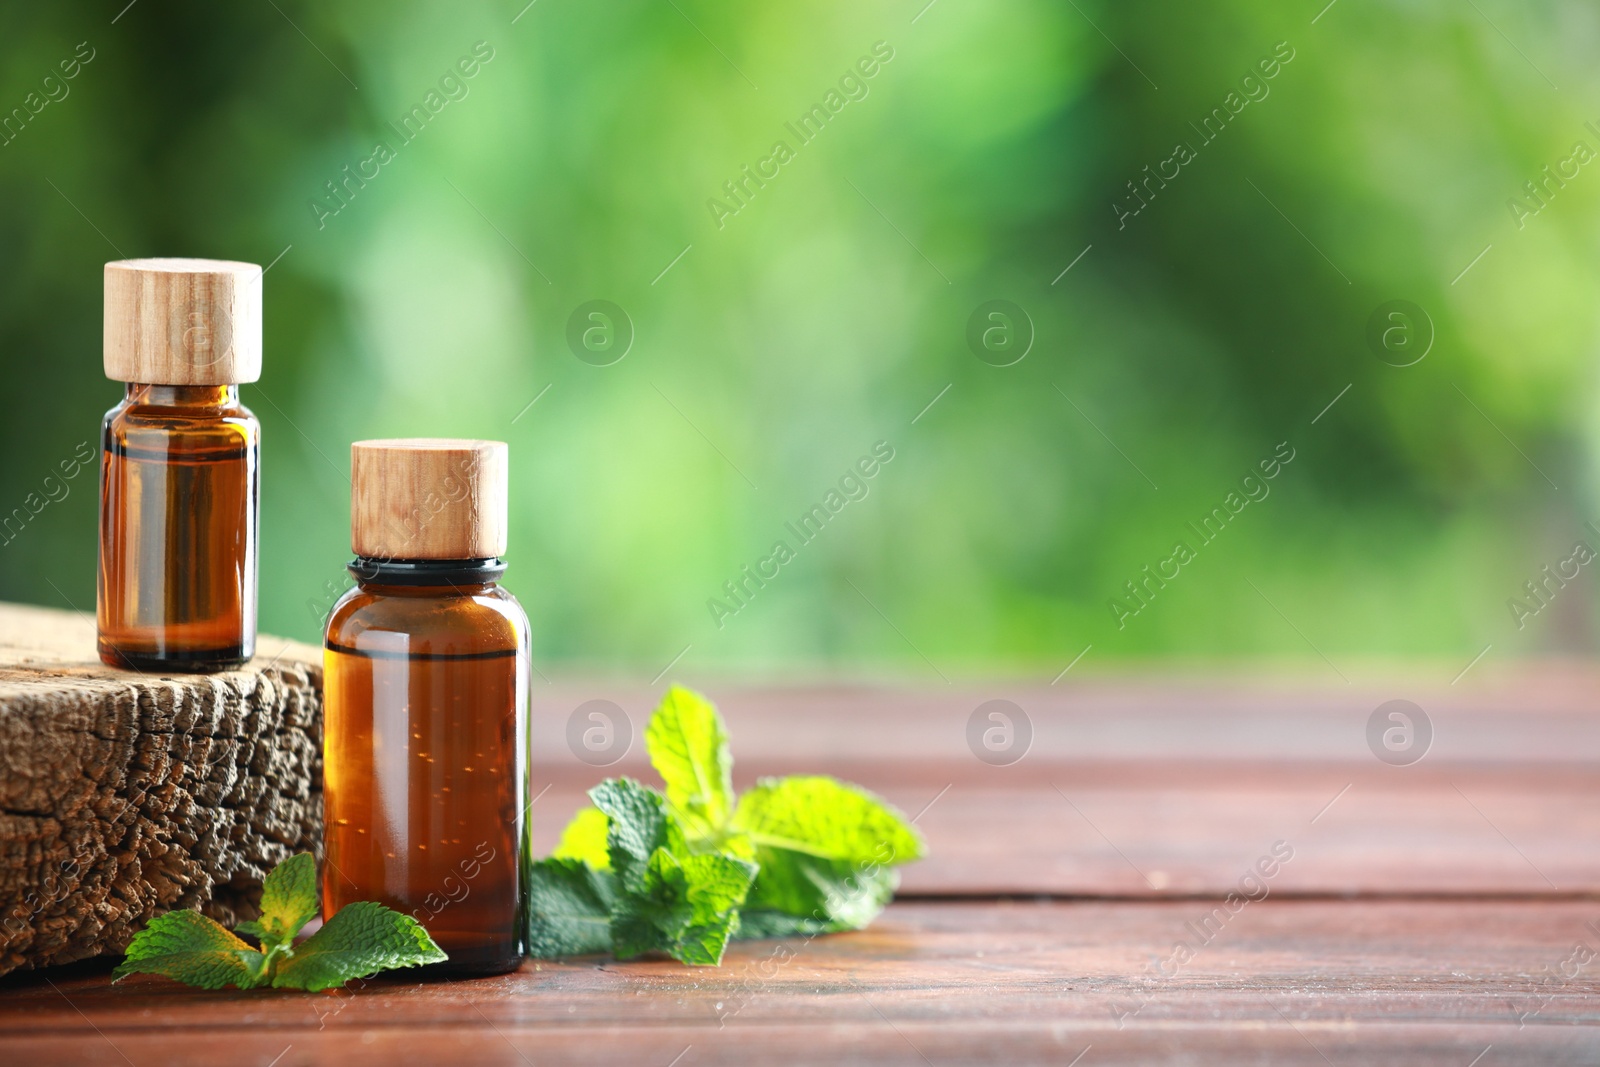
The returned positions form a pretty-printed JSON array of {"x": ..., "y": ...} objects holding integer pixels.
[{"x": 770, "y": 352}]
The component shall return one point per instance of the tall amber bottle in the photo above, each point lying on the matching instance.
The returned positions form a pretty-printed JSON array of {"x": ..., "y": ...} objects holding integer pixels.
[
  {"x": 179, "y": 469},
  {"x": 425, "y": 703}
]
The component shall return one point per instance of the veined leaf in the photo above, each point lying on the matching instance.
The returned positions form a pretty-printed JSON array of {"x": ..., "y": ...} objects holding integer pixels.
[
  {"x": 570, "y": 908},
  {"x": 638, "y": 825},
  {"x": 827, "y": 819},
  {"x": 194, "y": 949},
  {"x": 686, "y": 908},
  {"x": 689, "y": 748},
  {"x": 800, "y": 894},
  {"x": 359, "y": 941},
  {"x": 288, "y": 901}
]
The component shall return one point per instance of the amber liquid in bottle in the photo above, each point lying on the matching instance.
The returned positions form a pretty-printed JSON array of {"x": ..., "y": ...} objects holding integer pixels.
[
  {"x": 425, "y": 706},
  {"x": 179, "y": 481}
]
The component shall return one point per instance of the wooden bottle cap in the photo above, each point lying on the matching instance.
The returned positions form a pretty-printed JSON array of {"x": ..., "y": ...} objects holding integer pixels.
[
  {"x": 428, "y": 498},
  {"x": 183, "y": 321}
]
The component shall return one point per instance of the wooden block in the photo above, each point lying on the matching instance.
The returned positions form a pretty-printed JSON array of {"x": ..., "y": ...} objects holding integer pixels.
[{"x": 124, "y": 795}]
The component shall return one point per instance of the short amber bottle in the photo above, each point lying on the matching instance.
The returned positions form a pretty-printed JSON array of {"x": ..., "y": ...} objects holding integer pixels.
[
  {"x": 180, "y": 463},
  {"x": 425, "y": 703}
]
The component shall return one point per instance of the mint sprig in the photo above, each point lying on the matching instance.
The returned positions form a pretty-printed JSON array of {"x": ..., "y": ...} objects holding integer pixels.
[
  {"x": 682, "y": 870},
  {"x": 626, "y": 880},
  {"x": 358, "y": 941},
  {"x": 826, "y": 851}
]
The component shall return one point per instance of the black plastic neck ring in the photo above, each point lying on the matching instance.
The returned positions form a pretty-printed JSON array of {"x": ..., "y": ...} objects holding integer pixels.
[{"x": 426, "y": 571}]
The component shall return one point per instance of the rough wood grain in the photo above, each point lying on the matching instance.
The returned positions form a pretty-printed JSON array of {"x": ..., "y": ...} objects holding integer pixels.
[
  {"x": 123, "y": 794},
  {"x": 1281, "y": 982}
]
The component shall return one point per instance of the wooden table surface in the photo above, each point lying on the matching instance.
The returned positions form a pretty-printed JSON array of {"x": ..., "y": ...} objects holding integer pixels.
[{"x": 1074, "y": 909}]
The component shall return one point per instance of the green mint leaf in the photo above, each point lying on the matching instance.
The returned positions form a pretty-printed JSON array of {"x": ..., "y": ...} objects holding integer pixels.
[
  {"x": 681, "y": 872},
  {"x": 825, "y": 851},
  {"x": 657, "y": 897},
  {"x": 827, "y": 819},
  {"x": 642, "y": 919},
  {"x": 796, "y": 893},
  {"x": 569, "y": 911},
  {"x": 288, "y": 901},
  {"x": 718, "y": 884},
  {"x": 730, "y": 842},
  {"x": 193, "y": 949},
  {"x": 638, "y": 825},
  {"x": 585, "y": 839},
  {"x": 758, "y": 923},
  {"x": 687, "y": 908},
  {"x": 360, "y": 940},
  {"x": 689, "y": 749}
]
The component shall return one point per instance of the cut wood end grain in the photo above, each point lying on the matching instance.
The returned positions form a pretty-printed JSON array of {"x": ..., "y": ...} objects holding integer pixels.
[{"x": 124, "y": 795}]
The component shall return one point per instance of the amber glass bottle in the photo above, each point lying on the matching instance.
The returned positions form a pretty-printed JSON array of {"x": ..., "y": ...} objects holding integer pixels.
[
  {"x": 180, "y": 462},
  {"x": 425, "y": 703}
]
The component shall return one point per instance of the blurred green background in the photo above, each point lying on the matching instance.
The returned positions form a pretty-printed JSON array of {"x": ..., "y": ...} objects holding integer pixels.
[{"x": 772, "y": 351}]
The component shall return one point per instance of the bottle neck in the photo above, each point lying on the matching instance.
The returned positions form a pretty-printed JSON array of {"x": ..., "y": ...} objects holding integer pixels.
[
  {"x": 182, "y": 396},
  {"x": 422, "y": 576}
]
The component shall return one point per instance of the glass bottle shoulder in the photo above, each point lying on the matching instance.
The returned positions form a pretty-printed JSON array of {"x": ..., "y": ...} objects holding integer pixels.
[
  {"x": 196, "y": 420},
  {"x": 434, "y": 620}
]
